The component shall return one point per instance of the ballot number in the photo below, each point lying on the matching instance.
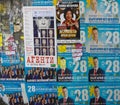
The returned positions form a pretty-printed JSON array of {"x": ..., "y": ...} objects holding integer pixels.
[
  {"x": 82, "y": 7},
  {"x": 113, "y": 64},
  {"x": 113, "y": 95},
  {"x": 31, "y": 89},
  {"x": 82, "y": 37},
  {"x": 112, "y": 8},
  {"x": 81, "y": 95},
  {"x": 83, "y": 66},
  {"x": 112, "y": 37}
]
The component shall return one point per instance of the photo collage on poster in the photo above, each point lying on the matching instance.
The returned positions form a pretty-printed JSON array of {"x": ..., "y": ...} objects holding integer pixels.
[{"x": 59, "y": 52}]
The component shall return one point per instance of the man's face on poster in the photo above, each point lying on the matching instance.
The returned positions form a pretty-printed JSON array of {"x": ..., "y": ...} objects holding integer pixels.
[
  {"x": 95, "y": 62},
  {"x": 65, "y": 92},
  {"x": 95, "y": 35},
  {"x": 94, "y": 4},
  {"x": 63, "y": 64},
  {"x": 96, "y": 92}
]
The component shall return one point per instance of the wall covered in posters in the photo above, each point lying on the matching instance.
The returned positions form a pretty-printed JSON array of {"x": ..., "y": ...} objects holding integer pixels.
[{"x": 59, "y": 52}]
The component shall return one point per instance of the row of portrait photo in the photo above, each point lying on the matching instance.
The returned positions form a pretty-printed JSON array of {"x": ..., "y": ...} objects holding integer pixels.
[
  {"x": 44, "y": 99},
  {"x": 46, "y": 42},
  {"x": 14, "y": 98},
  {"x": 41, "y": 74},
  {"x": 46, "y": 51},
  {"x": 12, "y": 72}
]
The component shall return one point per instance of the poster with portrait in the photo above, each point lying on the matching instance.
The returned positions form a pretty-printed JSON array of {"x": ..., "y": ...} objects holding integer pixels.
[
  {"x": 13, "y": 94},
  {"x": 68, "y": 22},
  {"x": 39, "y": 74},
  {"x": 104, "y": 94},
  {"x": 103, "y": 11},
  {"x": 42, "y": 94},
  {"x": 69, "y": 94},
  {"x": 72, "y": 63},
  {"x": 100, "y": 38},
  {"x": 103, "y": 68},
  {"x": 40, "y": 36}
]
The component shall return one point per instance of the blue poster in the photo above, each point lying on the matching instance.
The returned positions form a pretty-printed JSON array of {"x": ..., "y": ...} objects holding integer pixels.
[
  {"x": 42, "y": 94},
  {"x": 104, "y": 94},
  {"x": 38, "y": 74},
  {"x": 99, "y": 38},
  {"x": 13, "y": 94},
  {"x": 77, "y": 94},
  {"x": 72, "y": 65},
  {"x": 102, "y": 11}
]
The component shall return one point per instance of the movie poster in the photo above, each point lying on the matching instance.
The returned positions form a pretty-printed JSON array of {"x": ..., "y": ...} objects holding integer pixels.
[
  {"x": 39, "y": 74},
  {"x": 69, "y": 94},
  {"x": 13, "y": 94},
  {"x": 100, "y": 11},
  {"x": 42, "y": 94},
  {"x": 40, "y": 36},
  {"x": 68, "y": 22}
]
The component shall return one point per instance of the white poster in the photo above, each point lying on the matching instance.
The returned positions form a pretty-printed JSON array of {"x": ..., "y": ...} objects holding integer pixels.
[{"x": 40, "y": 36}]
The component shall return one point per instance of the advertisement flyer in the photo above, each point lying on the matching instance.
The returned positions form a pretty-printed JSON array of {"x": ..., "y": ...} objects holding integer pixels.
[
  {"x": 69, "y": 94},
  {"x": 13, "y": 94},
  {"x": 42, "y": 94},
  {"x": 40, "y": 36},
  {"x": 68, "y": 22},
  {"x": 102, "y": 11},
  {"x": 38, "y": 74}
]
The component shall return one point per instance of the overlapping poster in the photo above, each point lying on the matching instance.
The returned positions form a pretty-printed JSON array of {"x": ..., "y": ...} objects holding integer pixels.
[
  {"x": 100, "y": 38},
  {"x": 42, "y": 94},
  {"x": 72, "y": 65},
  {"x": 13, "y": 94},
  {"x": 104, "y": 94},
  {"x": 68, "y": 22},
  {"x": 12, "y": 41},
  {"x": 103, "y": 11},
  {"x": 40, "y": 36},
  {"x": 69, "y": 94}
]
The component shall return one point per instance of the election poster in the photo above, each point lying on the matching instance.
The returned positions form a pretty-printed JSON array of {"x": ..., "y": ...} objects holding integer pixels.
[
  {"x": 99, "y": 11},
  {"x": 40, "y": 36},
  {"x": 104, "y": 94},
  {"x": 69, "y": 94},
  {"x": 72, "y": 65},
  {"x": 68, "y": 22},
  {"x": 42, "y": 94},
  {"x": 13, "y": 94},
  {"x": 103, "y": 68},
  {"x": 101, "y": 38}
]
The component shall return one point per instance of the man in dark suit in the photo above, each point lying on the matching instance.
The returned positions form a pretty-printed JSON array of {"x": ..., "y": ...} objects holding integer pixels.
[
  {"x": 66, "y": 100},
  {"x": 64, "y": 74},
  {"x": 97, "y": 100},
  {"x": 96, "y": 74}
]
